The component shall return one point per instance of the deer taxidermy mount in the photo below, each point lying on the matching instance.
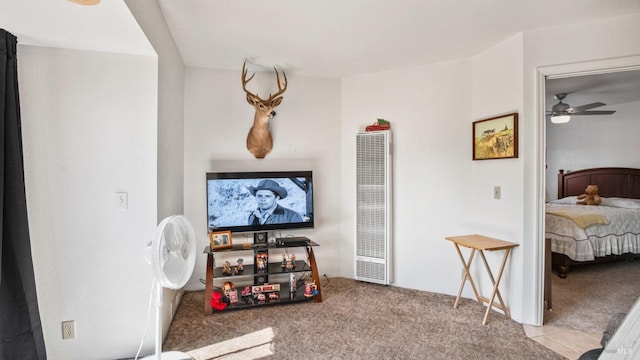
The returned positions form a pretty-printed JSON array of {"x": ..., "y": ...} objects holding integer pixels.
[{"x": 259, "y": 141}]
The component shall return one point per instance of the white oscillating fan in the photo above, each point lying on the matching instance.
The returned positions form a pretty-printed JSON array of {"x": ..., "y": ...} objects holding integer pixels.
[{"x": 172, "y": 255}]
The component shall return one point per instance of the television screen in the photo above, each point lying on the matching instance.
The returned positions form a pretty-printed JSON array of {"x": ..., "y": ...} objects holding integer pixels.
[{"x": 259, "y": 201}]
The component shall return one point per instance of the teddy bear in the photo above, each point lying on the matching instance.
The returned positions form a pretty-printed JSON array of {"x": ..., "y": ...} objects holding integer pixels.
[{"x": 590, "y": 197}]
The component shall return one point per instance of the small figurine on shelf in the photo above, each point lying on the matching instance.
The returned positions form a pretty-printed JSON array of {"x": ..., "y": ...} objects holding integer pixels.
[
  {"x": 246, "y": 292},
  {"x": 310, "y": 289},
  {"x": 233, "y": 296},
  {"x": 240, "y": 267},
  {"x": 283, "y": 264},
  {"x": 292, "y": 286},
  {"x": 227, "y": 287},
  {"x": 262, "y": 258},
  {"x": 226, "y": 268},
  {"x": 293, "y": 260}
]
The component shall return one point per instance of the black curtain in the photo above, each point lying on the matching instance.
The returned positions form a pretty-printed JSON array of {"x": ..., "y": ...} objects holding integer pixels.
[{"x": 20, "y": 328}]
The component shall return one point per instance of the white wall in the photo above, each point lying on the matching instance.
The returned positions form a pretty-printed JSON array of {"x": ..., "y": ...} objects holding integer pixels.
[
  {"x": 438, "y": 190},
  {"x": 89, "y": 129},
  {"x": 429, "y": 108},
  {"x": 306, "y": 136},
  {"x": 497, "y": 90},
  {"x": 170, "y": 135},
  {"x": 170, "y": 106},
  {"x": 593, "y": 141}
]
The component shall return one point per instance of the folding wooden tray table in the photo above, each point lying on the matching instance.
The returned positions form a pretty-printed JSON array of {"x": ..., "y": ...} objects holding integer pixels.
[{"x": 481, "y": 243}]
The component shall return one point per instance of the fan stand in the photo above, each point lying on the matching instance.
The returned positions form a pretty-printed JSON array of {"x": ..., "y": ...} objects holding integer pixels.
[
  {"x": 159, "y": 355},
  {"x": 175, "y": 239}
]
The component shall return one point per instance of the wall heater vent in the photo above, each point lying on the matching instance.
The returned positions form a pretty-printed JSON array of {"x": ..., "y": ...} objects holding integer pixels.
[{"x": 373, "y": 207}]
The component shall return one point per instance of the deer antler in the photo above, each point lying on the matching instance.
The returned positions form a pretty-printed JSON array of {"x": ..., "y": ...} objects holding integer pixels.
[
  {"x": 245, "y": 80},
  {"x": 282, "y": 84}
]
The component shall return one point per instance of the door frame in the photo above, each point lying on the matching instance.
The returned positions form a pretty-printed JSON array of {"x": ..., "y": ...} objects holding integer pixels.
[{"x": 558, "y": 72}]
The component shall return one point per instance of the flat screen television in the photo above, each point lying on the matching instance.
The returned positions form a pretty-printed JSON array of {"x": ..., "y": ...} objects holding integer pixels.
[{"x": 259, "y": 201}]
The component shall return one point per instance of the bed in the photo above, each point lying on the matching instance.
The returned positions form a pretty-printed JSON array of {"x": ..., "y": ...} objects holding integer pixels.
[{"x": 582, "y": 234}]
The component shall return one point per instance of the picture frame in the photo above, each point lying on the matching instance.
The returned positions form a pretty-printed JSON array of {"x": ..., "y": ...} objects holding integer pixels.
[
  {"x": 495, "y": 138},
  {"x": 220, "y": 240}
]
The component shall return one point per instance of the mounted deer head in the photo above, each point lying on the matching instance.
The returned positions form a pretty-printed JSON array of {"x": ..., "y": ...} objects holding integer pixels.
[{"x": 259, "y": 141}]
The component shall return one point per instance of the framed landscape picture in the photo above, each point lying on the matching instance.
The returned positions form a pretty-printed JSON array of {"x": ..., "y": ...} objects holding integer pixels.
[
  {"x": 220, "y": 240},
  {"x": 496, "y": 138}
]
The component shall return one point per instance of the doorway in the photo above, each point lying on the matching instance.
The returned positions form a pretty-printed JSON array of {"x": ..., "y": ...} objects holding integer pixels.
[{"x": 609, "y": 82}]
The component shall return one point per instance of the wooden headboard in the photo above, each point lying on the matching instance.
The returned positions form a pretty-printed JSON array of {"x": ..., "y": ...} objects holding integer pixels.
[{"x": 612, "y": 182}]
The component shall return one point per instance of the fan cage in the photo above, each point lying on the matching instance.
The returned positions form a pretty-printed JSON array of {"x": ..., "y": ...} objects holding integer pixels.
[{"x": 173, "y": 252}]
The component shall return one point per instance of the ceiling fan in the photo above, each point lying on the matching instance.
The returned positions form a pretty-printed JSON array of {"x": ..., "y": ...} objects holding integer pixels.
[{"x": 561, "y": 112}]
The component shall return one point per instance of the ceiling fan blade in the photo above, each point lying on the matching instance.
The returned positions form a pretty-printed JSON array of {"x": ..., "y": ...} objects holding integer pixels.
[
  {"x": 596, "y": 112},
  {"x": 585, "y": 107}
]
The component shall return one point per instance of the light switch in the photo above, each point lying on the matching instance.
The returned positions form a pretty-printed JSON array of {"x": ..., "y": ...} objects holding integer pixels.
[
  {"x": 122, "y": 201},
  {"x": 496, "y": 192}
]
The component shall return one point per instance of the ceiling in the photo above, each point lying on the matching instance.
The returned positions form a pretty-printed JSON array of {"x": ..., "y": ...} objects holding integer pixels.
[
  {"x": 610, "y": 88},
  {"x": 338, "y": 38},
  {"x": 330, "y": 38},
  {"x": 60, "y": 23}
]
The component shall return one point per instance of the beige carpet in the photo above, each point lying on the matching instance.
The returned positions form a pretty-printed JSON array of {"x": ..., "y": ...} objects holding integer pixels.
[
  {"x": 591, "y": 294},
  {"x": 255, "y": 345},
  {"x": 360, "y": 320}
]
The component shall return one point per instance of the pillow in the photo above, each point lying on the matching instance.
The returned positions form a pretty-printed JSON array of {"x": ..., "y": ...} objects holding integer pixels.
[
  {"x": 565, "y": 200},
  {"x": 625, "y": 203}
]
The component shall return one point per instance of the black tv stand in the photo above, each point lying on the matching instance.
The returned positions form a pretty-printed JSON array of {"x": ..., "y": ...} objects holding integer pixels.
[
  {"x": 259, "y": 277},
  {"x": 292, "y": 241}
]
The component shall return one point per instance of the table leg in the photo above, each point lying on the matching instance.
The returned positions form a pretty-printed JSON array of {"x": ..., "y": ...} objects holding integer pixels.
[
  {"x": 467, "y": 274},
  {"x": 208, "y": 287},
  {"x": 314, "y": 271},
  {"x": 496, "y": 283}
]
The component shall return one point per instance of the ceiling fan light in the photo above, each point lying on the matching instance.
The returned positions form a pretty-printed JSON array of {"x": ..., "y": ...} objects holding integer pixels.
[{"x": 560, "y": 119}]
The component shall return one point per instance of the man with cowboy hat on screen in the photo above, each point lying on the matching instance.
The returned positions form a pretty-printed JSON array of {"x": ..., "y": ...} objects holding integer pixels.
[{"x": 267, "y": 194}]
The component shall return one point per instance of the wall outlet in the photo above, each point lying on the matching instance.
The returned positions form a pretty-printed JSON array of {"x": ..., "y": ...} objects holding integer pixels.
[
  {"x": 68, "y": 329},
  {"x": 497, "y": 192}
]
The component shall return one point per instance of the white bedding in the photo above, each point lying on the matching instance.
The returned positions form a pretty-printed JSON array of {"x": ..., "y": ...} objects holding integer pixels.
[{"x": 621, "y": 235}]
